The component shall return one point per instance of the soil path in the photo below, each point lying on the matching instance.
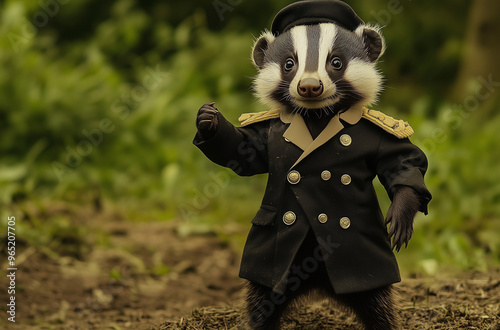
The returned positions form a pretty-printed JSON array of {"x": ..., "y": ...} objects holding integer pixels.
[{"x": 147, "y": 276}]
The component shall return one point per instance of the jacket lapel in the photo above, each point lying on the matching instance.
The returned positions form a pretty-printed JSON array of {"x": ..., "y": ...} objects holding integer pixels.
[
  {"x": 298, "y": 133},
  {"x": 333, "y": 127}
]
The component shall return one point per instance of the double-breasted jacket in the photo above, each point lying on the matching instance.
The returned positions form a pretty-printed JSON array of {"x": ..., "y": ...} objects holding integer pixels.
[{"x": 324, "y": 185}]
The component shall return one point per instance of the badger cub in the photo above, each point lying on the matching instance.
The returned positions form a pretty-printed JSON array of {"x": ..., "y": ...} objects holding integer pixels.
[{"x": 319, "y": 227}]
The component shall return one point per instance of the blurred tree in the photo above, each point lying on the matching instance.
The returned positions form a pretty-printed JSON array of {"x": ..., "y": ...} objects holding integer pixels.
[{"x": 480, "y": 59}]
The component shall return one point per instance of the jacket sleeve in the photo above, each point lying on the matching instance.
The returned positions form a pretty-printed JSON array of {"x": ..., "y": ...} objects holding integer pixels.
[
  {"x": 399, "y": 162},
  {"x": 242, "y": 149}
]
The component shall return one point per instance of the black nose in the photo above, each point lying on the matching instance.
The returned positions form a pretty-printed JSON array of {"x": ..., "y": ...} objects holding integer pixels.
[{"x": 310, "y": 87}]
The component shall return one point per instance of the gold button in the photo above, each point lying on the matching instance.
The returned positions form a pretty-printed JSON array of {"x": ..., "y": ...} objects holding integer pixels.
[
  {"x": 289, "y": 218},
  {"x": 326, "y": 175},
  {"x": 346, "y": 140},
  {"x": 345, "y": 222},
  {"x": 322, "y": 218},
  {"x": 293, "y": 177},
  {"x": 346, "y": 179},
  {"x": 287, "y": 140}
]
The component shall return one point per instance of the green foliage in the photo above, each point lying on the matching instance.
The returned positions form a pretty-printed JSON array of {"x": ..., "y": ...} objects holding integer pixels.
[
  {"x": 463, "y": 215},
  {"x": 98, "y": 104}
]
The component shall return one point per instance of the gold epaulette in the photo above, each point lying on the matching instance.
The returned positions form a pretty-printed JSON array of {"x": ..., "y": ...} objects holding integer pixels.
[
  {"x": 250, "y": 118},
  {"x": 399, "y": 128}
]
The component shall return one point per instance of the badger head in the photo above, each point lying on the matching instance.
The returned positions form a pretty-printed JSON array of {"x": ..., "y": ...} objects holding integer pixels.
[{"x": 323, "y": 68}]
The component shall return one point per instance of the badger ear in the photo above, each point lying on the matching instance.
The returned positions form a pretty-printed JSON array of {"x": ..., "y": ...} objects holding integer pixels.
[
  {"x": 373, "y": 40},
  {"x": 260, "y": 47}
]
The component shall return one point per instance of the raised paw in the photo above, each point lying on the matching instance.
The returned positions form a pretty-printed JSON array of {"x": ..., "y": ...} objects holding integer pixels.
[{"x": 207, "y": 121}]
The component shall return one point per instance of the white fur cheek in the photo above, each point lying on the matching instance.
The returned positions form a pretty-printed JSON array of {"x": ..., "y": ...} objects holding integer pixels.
[
  {"x": 266, "y": 82},
  {"x": 364, "y": 78}
]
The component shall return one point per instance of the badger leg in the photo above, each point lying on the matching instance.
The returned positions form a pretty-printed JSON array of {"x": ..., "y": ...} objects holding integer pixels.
[
  {"x": 264, "y": 307},
  {"x": 375, "y": 308}
]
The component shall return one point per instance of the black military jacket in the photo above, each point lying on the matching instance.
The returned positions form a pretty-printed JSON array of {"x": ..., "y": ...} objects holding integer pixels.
[{"x": 325, "y": 185}]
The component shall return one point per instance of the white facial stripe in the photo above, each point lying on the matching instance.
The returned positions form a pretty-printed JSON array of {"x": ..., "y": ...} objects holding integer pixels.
[
  {"x": 328, "y": 35},
  {"x": 300, "y": 44},
  {"x": 365, "y": 78}
]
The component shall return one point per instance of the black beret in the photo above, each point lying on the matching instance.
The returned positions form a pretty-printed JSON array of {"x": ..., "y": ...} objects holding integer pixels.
[{"x": 308, "y": 12}]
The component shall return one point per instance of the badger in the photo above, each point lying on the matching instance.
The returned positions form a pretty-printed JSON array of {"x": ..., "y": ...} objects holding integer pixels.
[
  {"x": 318, "y": 69},
  {"x": 319, "y": 227}
]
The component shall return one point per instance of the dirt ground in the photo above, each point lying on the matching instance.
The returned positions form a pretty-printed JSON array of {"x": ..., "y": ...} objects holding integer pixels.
[{"x": 148, "y": 276}]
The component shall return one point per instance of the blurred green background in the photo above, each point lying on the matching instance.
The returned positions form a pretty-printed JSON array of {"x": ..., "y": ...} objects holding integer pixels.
[{"x": 98, "y": 103}]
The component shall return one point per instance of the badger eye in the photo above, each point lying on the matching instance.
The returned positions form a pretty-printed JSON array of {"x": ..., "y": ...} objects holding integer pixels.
[
  {"x": 289, "y": 64},
  {"x": 336, "y": 63}
]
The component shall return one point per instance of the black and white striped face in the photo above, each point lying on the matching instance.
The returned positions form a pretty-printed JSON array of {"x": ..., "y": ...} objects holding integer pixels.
[{"x": 318, "y": 67}]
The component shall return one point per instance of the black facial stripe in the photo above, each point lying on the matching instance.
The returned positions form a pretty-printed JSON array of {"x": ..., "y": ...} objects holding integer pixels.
[
  {"x": 280, "y": 49},
  {"x": 349, "y": 44},
  {"x": 312, "y": 56}
]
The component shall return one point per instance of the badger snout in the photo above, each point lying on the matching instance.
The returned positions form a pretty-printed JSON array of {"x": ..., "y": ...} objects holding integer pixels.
[{"x": 310, "y": 88}]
